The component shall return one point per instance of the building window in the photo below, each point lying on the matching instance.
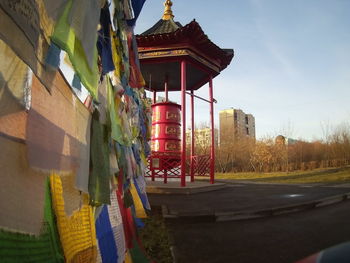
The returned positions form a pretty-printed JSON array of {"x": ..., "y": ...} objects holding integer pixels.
[
  {"x": 247, "y": 130},
  {"x": 246, "y": 119},
  {"x": 235, "y": 116}
]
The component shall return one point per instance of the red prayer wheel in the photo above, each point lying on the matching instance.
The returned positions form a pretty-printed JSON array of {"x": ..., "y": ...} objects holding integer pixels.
[{"x": 166, "y": 128}]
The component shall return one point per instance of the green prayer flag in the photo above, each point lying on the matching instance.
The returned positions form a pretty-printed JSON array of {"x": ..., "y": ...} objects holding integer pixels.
[
  {"x": 116, "y": 130},
  {"x": 137, "y": 254},
  {"x": 100, "y": 176},
  {"x": 45, "y": 248},
  {"x": 66, "y": 39}
]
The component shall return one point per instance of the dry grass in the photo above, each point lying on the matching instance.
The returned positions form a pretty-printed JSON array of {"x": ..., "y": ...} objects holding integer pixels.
[{"x": 333, "y": 175}]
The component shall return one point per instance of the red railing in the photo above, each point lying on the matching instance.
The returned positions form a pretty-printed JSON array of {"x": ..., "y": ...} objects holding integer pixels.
[
  {"x": 168, "y": 165},
  {"x": 164, "y": 165},
  {"x": 201, "y": 164}
]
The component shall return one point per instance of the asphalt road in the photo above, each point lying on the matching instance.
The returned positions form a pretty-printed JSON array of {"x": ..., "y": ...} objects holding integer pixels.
[{"x": 278, "y": 239}]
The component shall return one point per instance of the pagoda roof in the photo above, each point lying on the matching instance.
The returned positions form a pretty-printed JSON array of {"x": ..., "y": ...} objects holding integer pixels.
[
  {"x": 163, "y": 26},
  {"x": 167, "y": 44},
  {"x": 165, "y": 35}
]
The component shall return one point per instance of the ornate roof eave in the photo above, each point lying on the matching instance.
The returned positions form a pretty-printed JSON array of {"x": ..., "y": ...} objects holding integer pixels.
[{"x": 192, "y": 35}]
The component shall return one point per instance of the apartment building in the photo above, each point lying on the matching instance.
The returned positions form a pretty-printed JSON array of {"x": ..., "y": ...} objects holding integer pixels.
[{"x": 235, "y": 124}]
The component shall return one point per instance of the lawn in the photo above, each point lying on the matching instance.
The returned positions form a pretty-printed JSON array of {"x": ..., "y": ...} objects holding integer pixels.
[
  {"x": 156, "y": 239},
  {"x": 331, "y": 175}
]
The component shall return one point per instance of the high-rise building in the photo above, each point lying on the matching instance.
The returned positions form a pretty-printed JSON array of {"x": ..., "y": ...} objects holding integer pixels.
[{"x": 235, "y": 124}]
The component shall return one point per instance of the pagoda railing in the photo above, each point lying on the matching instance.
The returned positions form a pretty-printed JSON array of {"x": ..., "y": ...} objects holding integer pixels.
[
  {"x": 164, "y": 165},
  {"x": 201, "y": 165},
  {"x": 168, "y": 165}
]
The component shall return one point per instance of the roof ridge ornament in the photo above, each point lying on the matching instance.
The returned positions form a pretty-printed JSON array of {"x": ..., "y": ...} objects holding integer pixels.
[{"x": 168, "y": 13}]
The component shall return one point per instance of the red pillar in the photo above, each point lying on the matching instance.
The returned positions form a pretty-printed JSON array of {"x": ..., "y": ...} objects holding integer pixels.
[
  {"x": 212, "y": 149},
  {"x": 166, "y": 88},
  {"x": 183, "y": 112},
  {"x": 192, "y": 136}
]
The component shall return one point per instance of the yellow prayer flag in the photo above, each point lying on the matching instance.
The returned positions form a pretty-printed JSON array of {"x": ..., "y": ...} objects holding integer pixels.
[
  {"x": 77, "y": 232},
  {"x": 140, "y": 211}
]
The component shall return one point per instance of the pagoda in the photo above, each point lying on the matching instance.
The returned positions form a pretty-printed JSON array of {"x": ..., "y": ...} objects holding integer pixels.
[{"x": 181, "y": 58}]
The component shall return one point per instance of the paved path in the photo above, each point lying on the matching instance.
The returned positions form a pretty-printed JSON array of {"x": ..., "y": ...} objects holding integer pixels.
[
  {"x": 280, "y": 239},
  {"x": 208, "y": 224},
  {"x": 211, "y": 226},
  {"x": 246, "y": 200}
]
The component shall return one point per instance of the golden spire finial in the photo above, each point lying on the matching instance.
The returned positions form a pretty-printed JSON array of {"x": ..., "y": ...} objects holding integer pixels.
[{"x": 168, "y": 13}]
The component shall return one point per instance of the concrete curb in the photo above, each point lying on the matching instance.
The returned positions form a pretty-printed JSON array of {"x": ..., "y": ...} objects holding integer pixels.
[
  {"x": 253, "y": 214},
  {"x": 251, "y": 182},
  {"x": 184, "y": 190}
]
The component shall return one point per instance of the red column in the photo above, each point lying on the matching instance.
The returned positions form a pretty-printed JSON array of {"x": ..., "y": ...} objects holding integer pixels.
[
  {"x": 183, "y": 112},
  {"x": 166, "y": 88},
  {"x": 212, "y": 149},
  {"x": 192, "y": 136},
  {"x": 151, "y": 158}
]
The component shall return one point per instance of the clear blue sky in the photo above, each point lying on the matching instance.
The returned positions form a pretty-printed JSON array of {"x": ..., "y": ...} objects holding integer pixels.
[{"x": 292, "y": 59}]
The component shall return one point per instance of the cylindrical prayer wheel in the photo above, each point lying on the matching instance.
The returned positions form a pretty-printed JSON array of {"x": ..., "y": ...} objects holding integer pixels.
[{"x": 166, "y": 128}]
